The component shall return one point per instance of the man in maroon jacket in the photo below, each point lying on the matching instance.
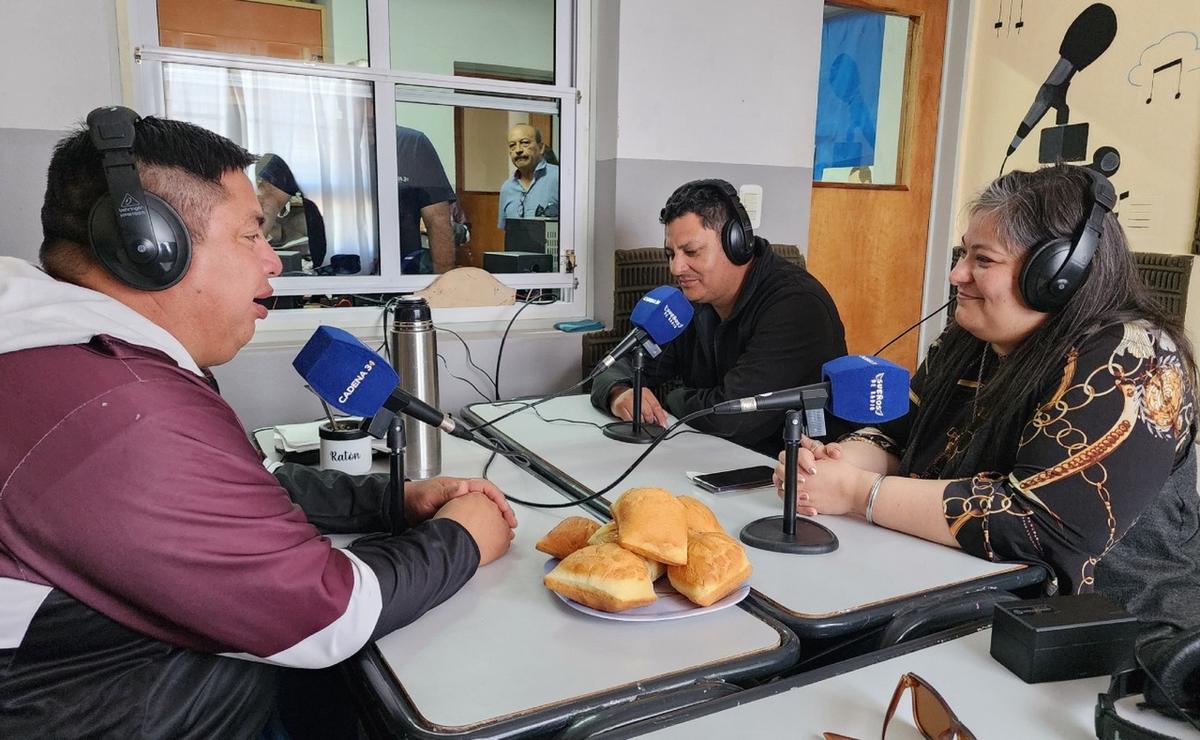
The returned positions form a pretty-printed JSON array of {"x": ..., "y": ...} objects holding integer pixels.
[{"x": 152, "y": 572}]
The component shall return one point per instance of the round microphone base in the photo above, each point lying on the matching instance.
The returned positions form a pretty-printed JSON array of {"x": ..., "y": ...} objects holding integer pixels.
[
  {"x": 810, "y": 538},
  {"x": 623, "y": 431}
]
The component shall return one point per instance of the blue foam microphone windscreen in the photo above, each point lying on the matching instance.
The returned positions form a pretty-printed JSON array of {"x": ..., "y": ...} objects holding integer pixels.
[
  {"x": 865, "y": 389},
  {"x": 346, "y": 373},
  {"x": 663, "y": 313}
]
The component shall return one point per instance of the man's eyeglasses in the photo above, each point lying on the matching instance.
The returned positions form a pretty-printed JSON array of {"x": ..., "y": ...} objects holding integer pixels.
[{"x": 933, "y": 716}]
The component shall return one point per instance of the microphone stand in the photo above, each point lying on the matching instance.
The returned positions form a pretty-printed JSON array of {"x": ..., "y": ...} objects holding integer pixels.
[
  {"x": 395, "y": 492},
  {"x": 781, "y": 533},
  {"x": 635, "y": 431}
]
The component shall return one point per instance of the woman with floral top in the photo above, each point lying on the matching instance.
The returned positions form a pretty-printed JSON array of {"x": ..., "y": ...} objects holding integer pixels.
[{"x": 1063, "y": 437}]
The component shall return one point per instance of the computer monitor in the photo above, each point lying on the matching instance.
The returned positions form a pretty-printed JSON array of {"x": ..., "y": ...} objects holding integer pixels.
[{"x": 531, "y": 235}]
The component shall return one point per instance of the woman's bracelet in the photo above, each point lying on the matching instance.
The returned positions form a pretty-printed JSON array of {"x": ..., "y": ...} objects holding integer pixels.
[{"x": 870, "y": 512}]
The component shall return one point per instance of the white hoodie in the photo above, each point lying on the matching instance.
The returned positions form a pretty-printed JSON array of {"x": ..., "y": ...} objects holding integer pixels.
[{"x": 39, "y": 311}]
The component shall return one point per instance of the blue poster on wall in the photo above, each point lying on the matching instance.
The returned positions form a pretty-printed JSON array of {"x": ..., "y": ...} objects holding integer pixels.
[{"x": 848, "y": 90}]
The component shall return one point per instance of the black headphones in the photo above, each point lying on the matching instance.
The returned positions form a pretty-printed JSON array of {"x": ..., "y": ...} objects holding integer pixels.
[
  {"x": 737, "y": 236},
  {"x": 136, "y": 235},
  {"x": 1168, "y": 677},
  {"x": 1057, "y": 267}
]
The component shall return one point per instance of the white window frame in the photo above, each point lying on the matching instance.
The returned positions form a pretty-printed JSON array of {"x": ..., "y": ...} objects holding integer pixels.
[{"x": 142, "y": 60}]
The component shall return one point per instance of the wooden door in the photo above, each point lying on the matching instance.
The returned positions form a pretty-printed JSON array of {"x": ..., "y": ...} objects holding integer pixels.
[{"x": 867, "y": 242}]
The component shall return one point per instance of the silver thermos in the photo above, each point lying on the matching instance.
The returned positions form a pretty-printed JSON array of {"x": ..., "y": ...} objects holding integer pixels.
[{"x": 414, "y": 356}]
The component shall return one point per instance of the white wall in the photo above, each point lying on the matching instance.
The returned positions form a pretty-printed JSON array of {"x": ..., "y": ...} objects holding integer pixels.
[
  {"x": 711, "y": 81},
  {"x": 58, "y": 60}
]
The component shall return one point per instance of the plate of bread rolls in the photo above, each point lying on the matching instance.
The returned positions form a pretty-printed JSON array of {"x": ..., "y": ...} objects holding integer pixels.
[{"x": 662, "y": 557}]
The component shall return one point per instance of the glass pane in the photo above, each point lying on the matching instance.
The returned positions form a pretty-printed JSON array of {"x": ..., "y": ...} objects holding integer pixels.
[
  {"x": 331, "y": 31},
  {"x": 860, "y": 96},
  {"x": 492, "y": 172},
  {"x": 316, "y": 174},
  {"x": 503, "y": 39}
]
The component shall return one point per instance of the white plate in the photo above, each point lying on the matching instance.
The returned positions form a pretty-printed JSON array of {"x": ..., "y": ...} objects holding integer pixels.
[{"x": 670, "y": 605}]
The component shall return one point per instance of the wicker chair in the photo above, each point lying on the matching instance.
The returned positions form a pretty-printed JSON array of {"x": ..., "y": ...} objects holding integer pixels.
[
  {"x": 638, "y": 271},
  {"x": 1167, "y": 276}
]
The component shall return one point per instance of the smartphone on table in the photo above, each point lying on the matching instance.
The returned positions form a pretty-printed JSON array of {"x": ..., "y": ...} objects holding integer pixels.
[{"x": 740, "y": 479}]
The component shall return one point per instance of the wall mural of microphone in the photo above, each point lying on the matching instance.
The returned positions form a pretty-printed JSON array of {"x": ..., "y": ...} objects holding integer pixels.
[
  {"x": 659, "y": 317},
  {"x": 858, "y": 388},
  {"x": 1088, "y": 36}
]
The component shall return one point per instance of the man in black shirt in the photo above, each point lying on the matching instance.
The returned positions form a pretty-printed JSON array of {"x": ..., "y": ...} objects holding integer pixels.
[
  {"x": 425, "y": 195},
  {"x": 761, "y": 324}
]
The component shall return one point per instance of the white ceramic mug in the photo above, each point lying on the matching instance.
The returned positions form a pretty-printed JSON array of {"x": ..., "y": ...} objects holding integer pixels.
[{"x": 346, "y": 448}]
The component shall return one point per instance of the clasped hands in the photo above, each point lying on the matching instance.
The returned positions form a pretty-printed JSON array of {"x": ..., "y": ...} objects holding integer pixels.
[
  {"x": 477, "y": 504},
  {"x": 825, "y": 483}
]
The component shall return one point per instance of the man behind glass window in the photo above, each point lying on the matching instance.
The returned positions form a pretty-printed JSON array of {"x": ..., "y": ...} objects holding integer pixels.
[
  {"x": 425, "y": 195},
  {"x": 532, "y": 191}
]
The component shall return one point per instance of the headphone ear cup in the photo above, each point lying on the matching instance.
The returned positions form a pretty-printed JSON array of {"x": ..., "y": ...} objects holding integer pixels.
[
  {"x": 1175, "y": 663},
  {"x": 1043, "y": 263},
  {"x": 145, "y": 266},
  {"x": 737, "y": 246}
]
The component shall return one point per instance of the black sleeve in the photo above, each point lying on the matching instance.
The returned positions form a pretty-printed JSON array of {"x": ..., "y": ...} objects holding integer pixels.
[
  {"x": 427, "y": 177},
  {"x": 336, "y": 502},
  {"x": 418, "y": 570}
]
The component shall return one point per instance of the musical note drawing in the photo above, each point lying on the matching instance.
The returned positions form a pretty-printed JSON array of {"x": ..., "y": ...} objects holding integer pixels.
[
  {"x": 999, "y": 24},
  {"x": 1178, "y": 80}
]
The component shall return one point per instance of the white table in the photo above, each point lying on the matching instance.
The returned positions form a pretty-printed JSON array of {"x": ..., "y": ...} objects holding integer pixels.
[
  {"x": 505, "y": 657},
  {"x": 985, "y": 696},
  {"x": 873, "y": 573}
]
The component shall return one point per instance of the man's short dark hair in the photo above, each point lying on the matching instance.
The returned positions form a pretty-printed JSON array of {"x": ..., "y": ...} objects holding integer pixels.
[
  {"x": 179, "y": 162},
  {"x": 704, "y": 200}
]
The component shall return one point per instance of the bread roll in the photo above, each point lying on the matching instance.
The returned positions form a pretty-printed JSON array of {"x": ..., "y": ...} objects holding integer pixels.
[
  {"x": 606, "y": 533},
  {"x": 699, "y": 517},
  {"x": 605, "y": 577},
  {"x": 716, "y": 566},
  {"x": 567, "y": 536},
  {"x": 652, "y": 523}
]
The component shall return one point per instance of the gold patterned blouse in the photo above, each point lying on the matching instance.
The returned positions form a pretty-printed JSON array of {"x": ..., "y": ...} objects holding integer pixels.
[{"x": 1093, "y": 457}]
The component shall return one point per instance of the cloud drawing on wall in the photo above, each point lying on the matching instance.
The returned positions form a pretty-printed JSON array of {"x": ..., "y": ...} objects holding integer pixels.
[{"x": 1178, "y": 45}]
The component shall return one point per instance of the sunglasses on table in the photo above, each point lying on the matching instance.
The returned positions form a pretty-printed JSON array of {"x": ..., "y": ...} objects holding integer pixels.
[{"x": 930, "y": 711}]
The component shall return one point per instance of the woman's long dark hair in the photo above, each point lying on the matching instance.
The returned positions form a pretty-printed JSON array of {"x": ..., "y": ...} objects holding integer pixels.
[{"x": 1027, "y": 208}]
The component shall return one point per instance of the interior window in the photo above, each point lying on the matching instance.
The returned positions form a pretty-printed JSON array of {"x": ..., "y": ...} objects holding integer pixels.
[
  {"x": 492, "y": 172},
  {"x": 860, "y": 96},
  {"x": 315, "y": 140}
]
